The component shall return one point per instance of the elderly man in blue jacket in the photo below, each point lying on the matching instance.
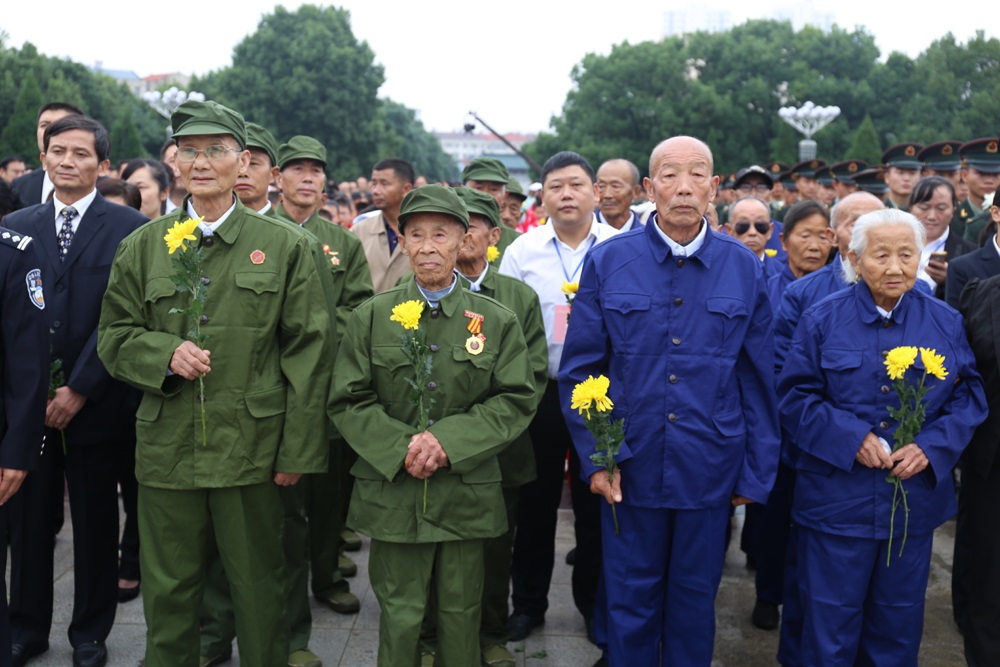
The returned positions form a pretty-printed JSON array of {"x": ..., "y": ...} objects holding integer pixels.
[{"x": 678, "y": 318}]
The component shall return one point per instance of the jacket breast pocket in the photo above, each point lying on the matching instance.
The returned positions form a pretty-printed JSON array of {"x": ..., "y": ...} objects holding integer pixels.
[
  {"x": 256, "y": 301},
  {"x": 473, "y": 373},
  {"x": 838, "y": 361},
  {"x": 627, "y": 315},
  {"x": 389, "y": 370},
  {"x": 728, "y": 316},
  {"x": 160, "y": 296}
]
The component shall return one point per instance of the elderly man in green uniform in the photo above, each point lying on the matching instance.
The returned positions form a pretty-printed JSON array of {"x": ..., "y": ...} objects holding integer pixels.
[
  {"x": 260, "y": 378},
  {"x": 982, "y": 173},
  {"x": 517, "y": 462},
  {"x": 429, "y": 498},
  {"x": 489, "y": 175},
  {"x": 513, "y": 203}
]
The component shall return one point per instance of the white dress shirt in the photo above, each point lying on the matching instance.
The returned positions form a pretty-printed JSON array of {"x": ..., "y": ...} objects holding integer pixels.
[
  {"x": 936, "y": 245},
  {"x": 208, "y": 228},
  {"x": 81, "y": 206},
  {"x": 533, "y": 258},
  {"x": 47, "y": 186},
  {"x": 678, "y": 250}
]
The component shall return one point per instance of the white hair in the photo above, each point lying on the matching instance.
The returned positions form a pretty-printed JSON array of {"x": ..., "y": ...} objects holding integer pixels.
[{"x": 874, "y": 220}]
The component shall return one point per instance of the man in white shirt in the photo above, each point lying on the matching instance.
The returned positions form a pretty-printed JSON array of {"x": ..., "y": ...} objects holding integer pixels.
[{"x": 546, "y": 258}]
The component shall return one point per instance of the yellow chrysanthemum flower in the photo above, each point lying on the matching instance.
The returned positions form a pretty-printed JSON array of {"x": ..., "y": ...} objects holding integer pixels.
[
  {"x": 408, "y": 314},
  {"x": 492, "y": 254},
  {"x": 570, "y": 288},
  {"x": 899, "y": 360},
  {"x": 933, "y": 363},
  {"x": 181, "y": 232},
  {"x": 592, "y": 392},
  {"x": 770, "y": 252}
]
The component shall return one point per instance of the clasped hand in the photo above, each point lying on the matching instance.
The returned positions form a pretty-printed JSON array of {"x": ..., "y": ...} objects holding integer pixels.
[
  {"x": 424, "y": 455},
  {"x": 904, "y": 463},
  {"x": 190, "y": 361}
]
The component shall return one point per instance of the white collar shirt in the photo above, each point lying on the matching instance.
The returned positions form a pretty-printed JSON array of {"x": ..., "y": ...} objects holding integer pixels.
[
  {"x": 81, "y": 205},
  {"x": 208, "y": 228}
]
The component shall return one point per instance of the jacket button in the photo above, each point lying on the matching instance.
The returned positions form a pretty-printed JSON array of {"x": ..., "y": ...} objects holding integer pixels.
[
  {"x": 676, "y": 340},
  {"x": 430, "y": 422},
  {"x": 671, "y": 418},
  {"x": 884, "y": 389},
  {"x": 680, "y": 263},
  {"x": 60, "y": 287},
  {"x": 206, "y": 280},
  {"x": 885, "y": 353},
  {"x": 885, "y": 325},
  {"x": 673, "y": 379},
  {"x": 203, "y": 319},
  {"x": 883, "y": 425},
  {"x": 678, "y": 301},
  {"x": 434, "y": 347},
  {"x": 432, "y": 385},
  {"x": 434, "y": 314},
  {"x": 56, "y": 324},
  {"x": 208, "y": 241}
]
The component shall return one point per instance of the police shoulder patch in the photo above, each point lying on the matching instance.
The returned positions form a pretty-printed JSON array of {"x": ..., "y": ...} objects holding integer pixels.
[
  {"x": 33, "y": 279},
  {"x": 14, "y": 239}
]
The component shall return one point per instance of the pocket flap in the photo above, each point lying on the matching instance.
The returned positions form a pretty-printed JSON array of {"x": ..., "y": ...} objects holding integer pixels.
[
  {"x": 731, "y": 424},
  {"x": 266, "y": 403},
  {"x": 149, "y": 408},
  {"x": 389, "y": 357},
  {"x": 726, "y": 305},
  {"x": 483, "y": 360},
  {"x": 159, "y": 287},
  {"x": 258, "y": 281},
  {"x": 840, "y": 360},
  {"x": 623, "y": 302}
]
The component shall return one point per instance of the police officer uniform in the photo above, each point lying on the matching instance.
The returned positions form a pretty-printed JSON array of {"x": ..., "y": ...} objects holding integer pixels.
[
  {"x": 901, "y": 156},
  {"x": 982, "y": 155}
]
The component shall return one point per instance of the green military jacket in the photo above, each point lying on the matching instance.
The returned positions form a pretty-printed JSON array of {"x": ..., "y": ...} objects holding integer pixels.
[
  {"x": 891, "y": 204},
  {"x": 962, "y": 220},
  {"x": 973, "y": 225},
  {"x": 268, "y": 328},
  {"x": 481, "y": 402},
  {"x": 507, "y": 236}
]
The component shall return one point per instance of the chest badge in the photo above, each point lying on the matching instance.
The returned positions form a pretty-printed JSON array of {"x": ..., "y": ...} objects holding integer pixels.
[
  {"x": 475, "y": 325},
  {"x": 332, "y": 255},
  {"x": 257, "y": 257},
  {"x": 475, "y": 344},
  {"x": 34, "y": 284}
]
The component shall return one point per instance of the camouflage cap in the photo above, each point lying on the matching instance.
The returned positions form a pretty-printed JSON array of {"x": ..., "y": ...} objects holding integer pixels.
[
  {"x": 194, "y": 118},
  {"x": 480, "y": 203},
  {"x": 259, "y": 137},
  {"x": 301, "y": 147},
  {"x": 485, "y": 169},
  {"x": 433, "y": 199}
]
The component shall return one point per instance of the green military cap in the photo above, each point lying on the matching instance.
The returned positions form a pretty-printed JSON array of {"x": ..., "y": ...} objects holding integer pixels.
[
  {"x": 775, "y": 169},
  {"x": 193, "y": 117},
  {"x": 845, "y": 171},
  {"x": 301, "y": 147},
  {"x": 434, "y": 199},
  {"x": 872, "y": 180},
  {"x": 824, "y": 176},
  {"x": 942, "y": 156},
  {"x": 807, "y": 168},
  {"x": 727, "y": 181},
  {"x": 903, "y": 156},
  {"x": 485, "y": 169},
  {"x": 259, "y": 137},
  {"x": 514, "y": 188},
  {"x": 480, "y": 203},
  {"x": 982, "y": 155}
]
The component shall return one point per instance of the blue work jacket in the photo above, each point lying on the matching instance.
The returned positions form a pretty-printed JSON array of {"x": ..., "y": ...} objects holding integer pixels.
[
  {"x": 835, "y": 390},
  {"x": 687, "y": 345}
]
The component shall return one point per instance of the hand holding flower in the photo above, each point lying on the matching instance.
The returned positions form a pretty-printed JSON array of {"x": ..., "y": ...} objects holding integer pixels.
[
  {"x": 609, "y": 488},
  {"x": 871, "y": 454},
  {"x": 908, "y": 461},
  {"x": 424, "y": 455},
  {"x": 190, "y": 361}
]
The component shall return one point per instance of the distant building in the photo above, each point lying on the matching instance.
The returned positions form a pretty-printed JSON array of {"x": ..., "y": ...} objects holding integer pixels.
[
  {"x": 707, "y": 18},
  {"x": 462, "y": 147},
  {"x": 139, "y": 85}
]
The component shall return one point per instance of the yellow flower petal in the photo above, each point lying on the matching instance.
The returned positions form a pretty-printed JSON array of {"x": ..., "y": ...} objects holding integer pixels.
[
  {"x": 408, "y": 314},
  {"x": 592, "y": 392},
  {"x": 899, "y": 360},
  {"x": 492, "y": 254},
  {"x": 570, "y": 288},
  {"x": 181, "y": 232},
  {"x": 933, "y": 363},
  {"x": 770, "y": 252}
]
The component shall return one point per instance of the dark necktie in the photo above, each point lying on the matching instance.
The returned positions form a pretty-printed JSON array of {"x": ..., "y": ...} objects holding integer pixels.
[{"x": 66, "y": 231}]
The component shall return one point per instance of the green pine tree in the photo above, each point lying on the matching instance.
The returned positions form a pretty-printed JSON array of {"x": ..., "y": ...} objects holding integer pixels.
[
  {"x": 125, "y": 141},
  {"x": 18, "y": 136},
  {"x": 865, "y": 145}
]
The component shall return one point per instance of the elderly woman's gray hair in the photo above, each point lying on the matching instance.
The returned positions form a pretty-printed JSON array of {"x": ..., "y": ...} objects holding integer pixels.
[{"x": 873, "y": 220}]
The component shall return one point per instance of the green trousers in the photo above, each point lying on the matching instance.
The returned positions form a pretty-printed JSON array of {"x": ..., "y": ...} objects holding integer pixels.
[
  {"x": 311, "y": 531},
  {"x": 404, "y": 577},
  {"x": 496, "y": 585},
  {"x": 175, "y": 529}
]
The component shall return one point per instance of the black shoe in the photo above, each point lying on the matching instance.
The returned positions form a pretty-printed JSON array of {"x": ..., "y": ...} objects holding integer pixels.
[
  {"x": 603, "y": 662},
  {"x": 765, "y": 615},
  {"x": 22, "y": 653},
  {"x": 571, "y": 557},
  {"x": 588, "y": 622},
  {"x": 91, "y": 654},
  {"x": 127, "y": 594},
  {"x": 521, "y": 625}
]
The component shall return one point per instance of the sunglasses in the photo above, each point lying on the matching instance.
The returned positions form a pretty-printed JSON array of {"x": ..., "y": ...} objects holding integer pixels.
[{"x": 742, "y": 228}]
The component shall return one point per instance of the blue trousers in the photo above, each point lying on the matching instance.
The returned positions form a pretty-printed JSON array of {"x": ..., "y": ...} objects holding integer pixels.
[
  {"x": 857, "y": 611},
  {"x": 661, "y": 574}
]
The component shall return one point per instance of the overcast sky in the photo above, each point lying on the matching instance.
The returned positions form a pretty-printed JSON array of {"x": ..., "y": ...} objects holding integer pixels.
[{"x": 509, "y": 61}]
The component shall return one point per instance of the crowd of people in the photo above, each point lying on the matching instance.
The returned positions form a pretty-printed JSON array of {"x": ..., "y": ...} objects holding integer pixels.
[{"x": 270, "y": 365}]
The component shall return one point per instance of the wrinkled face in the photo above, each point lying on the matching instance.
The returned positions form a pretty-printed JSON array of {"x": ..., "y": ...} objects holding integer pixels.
[
  {"x": 901, "y": 181},
  {"x": 808, "y": 244},
  {"x": 980, "y": 184},
  {"x": 750, "y": 223},
  {"x": 302, "y": 182},
  {"x": 510, "y": 210},
  {"x": 388, "y": 189},
  {"x": 251, "y": 185},
  {"x": 569, "y": 196},
  {"x": 209, "y": 178},
  {"x": 935, "y": 213},
  {"x": 615, "y": 189},
  {"x": 71, "y": 162},
  {"x": 46, "y": 119},
  {"x": 480, "y": 237},
  {"x": 432, "y": 242},
  {"x": 889, "y": 263},
  {"x": 847, "y": 213},
  {"x": 152, "y": 196},
  {"x": 681, "y": 184},
  {"x": 492, "y": 188}
]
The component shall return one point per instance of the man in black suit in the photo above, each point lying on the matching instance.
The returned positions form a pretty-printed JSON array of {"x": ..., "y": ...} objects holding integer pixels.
[
  {"x": 23, "y": 369},
  {"x": 982, "y": 263},
  {"x": 980, "y": 492},
  {"x": 35, "y": 186},
  {"x": 78, "y": 233}
]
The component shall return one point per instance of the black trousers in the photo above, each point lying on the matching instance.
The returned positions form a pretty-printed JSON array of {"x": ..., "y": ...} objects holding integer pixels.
[
  {"x": 534, "y": 538},
  {"x": 5, "y": 656},
  {"x": 128, "y": 559},
  {"x": 92, "y": 482}
]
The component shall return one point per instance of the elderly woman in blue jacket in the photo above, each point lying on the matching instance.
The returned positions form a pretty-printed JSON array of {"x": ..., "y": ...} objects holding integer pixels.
[{"x": 835, "y": 394}]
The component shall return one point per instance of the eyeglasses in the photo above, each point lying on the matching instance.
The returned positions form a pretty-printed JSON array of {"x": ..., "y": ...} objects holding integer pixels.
[
  {"x": 760, "y": 188},
  {"x": 190, "y": 154},
  {"x": 742, "y": 228}
]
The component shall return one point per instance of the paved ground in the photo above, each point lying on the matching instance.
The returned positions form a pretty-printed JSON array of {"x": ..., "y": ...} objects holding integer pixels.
[{"x": 350, "y": 641}]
